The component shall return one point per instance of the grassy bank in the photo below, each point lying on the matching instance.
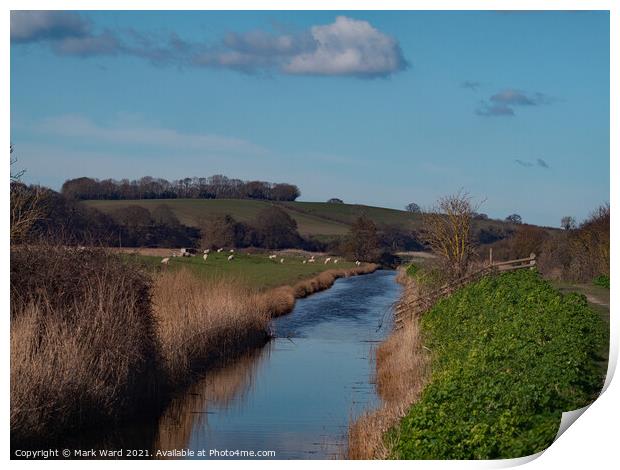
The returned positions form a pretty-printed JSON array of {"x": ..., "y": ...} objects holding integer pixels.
[
  {"x": 507, "y": 355},
  {"x": 97, "y": 340}
]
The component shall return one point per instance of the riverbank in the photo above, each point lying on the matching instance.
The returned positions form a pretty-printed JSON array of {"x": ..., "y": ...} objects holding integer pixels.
[
  {"x": 490, "y": 382},
  {"x": 142, "y": 338}
]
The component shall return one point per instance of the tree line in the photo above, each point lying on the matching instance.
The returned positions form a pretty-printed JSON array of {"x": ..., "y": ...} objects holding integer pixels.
[{"x": 147, "y": 187}]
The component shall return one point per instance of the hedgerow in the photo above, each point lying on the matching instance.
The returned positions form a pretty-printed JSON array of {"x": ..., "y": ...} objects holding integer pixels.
[
  {"x": 602, "y": 281},
  {"x": 509, "y": 355}
]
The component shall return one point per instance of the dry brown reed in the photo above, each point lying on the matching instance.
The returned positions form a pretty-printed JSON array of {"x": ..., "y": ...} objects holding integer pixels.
[
  {"x": 200, "y": 322},
  {"x": 402, "y": 370},
  {"x": 82, "y": 352}
]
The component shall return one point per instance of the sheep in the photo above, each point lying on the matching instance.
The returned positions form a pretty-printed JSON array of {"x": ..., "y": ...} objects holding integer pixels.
[
  {"x": 272, "y": 256},
  {"x": 281, "y": 260},
  {"x": 207, "y": 251},
  {"x": 231, "y": 250},
  {"x": 165, "y": 261},
  {"x": 335, "y": 261},
  {"x": 231, "y": 257},
  {"x": 205, "y": 256},
  {"x": 303, "y": 262},
  {"x": 311, "y": 260},
  {"x": 219, "y": 250},
  {"x": 327, "y": 260},
  {"x": 357, "y": 263}
]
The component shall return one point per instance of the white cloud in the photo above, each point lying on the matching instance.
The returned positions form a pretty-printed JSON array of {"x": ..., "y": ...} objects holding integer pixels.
[{"x": 348, "y": 47}]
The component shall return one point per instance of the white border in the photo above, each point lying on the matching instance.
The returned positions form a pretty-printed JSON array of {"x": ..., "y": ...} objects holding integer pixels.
[{"x": 590, "y": 442}]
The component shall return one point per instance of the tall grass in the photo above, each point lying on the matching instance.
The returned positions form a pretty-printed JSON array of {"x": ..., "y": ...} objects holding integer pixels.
[
  {"x": 202, "y": 321},
  {"x": 83, "y": 345}
]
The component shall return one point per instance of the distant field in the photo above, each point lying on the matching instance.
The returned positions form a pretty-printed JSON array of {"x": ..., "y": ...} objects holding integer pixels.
[
  {"x": 255, "y": 270},
  {"x": 319, "y": 219}
]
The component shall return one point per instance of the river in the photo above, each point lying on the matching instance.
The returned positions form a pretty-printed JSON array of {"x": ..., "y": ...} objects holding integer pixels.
[{"x": 295, "y": 396}]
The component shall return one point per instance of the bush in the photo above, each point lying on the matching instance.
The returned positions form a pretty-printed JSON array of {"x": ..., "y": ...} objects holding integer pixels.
[
  {"x": 602, "y": 281},
  {"x": 509, "y": 355}
]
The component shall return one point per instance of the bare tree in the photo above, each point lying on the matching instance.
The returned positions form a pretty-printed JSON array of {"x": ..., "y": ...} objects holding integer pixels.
[
  {"x": 447, "y": 229},
  {"x": 26, "y": 204}
]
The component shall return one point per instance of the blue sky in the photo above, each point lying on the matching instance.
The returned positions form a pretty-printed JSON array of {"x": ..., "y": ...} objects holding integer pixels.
[{"x": 378, "y": 108}]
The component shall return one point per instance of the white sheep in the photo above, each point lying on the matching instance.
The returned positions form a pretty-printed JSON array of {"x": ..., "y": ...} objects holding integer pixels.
[
  {"x": 205, "y": 256},
  {"x": 219, "y": 250},
  {"x": 207, "y": 251},
  {"x": 231, "y": 250},
  {"x": 281, "y": 260},
  {"x": 165, "y": 261},
  {"x": 327, "y": 260},
  {"x": 357, "y": 263},
  {"x": 272, "y": 256},
  {"x": 231, "y": 257},
  {"x": 335, "y": 261},
  {"x": 303, "y": 262},
  {"x": 311, "y": 260}
]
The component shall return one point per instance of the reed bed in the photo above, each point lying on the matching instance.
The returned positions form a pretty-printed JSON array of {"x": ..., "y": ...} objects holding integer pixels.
[{"x": 402, "y": 371}]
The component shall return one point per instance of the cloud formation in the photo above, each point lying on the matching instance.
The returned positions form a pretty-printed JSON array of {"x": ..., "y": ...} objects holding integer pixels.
[
  {"x": 504, "y": 102},
  {"x": 346, "y": 47},
  {"x": 528, "y": 164}
]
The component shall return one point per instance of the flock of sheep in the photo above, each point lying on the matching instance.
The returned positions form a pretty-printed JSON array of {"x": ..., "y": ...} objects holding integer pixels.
[{"x": 205, "y": 256}]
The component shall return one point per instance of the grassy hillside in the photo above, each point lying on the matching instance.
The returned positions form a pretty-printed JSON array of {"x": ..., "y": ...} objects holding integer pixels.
[{"x": 313, "y": 218}]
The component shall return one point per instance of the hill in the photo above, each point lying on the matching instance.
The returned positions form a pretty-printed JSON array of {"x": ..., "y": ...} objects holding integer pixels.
[{"x": 318, "y": 219}]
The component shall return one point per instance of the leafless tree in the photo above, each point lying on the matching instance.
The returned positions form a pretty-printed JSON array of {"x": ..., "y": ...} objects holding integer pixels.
[
  {"x": 26, "y": 204},
  {"x": 447, "y": 229}
]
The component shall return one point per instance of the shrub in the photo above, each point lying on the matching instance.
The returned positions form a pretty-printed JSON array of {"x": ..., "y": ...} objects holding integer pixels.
[
  {"x": 602, "y": 281},
  {"x": 509, "y": 355}
]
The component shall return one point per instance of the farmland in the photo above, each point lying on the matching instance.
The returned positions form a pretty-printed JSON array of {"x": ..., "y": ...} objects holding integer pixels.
[{"x": 251, "y": 270}]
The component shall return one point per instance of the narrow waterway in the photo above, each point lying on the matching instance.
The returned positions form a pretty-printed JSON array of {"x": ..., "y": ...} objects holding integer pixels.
[{"x": 297, "y": 395}]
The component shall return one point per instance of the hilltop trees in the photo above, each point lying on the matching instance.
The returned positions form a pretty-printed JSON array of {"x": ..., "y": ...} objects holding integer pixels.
[
  {"x": 413, "y": 208},
  {"x": 514, "y": 219},
  {"x": 147, "y": 187}
]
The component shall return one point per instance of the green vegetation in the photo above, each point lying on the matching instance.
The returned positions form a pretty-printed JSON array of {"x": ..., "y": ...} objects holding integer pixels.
[
  {"x": 509, "y": 354},
  {"x": 252, "y": 270},
  {"x": 602, "y": 281}
]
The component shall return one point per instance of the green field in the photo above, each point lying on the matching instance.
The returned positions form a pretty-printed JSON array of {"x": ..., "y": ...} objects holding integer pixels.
[
  {"x": 319, "y": 219},
  {"x": 255, "y": 270}
]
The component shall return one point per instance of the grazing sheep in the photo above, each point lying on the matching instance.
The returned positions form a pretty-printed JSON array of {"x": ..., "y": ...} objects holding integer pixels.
[
  {"x": 231, "y": 257},
  {"x": 205, "y": 256},
  {"x": 303, "y": 262},
  {"x": 335, "y": 261},
  {"x": 207, "y": 251},
  {"x": 311, "y": 260},
  {"x": 272, "y": 256},
  {"x": 281, "y": 260},
  {"x": 231, "y": 250},
  {"x": 357, "y": 263},
  {"x": 165, "y": 261},
  {"x": 327, "y": 260},
  {"x": 219, "y": 250}
]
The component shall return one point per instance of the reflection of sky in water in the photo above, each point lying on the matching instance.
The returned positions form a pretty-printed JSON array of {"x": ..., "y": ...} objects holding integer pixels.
[{"x": 307, "y": 389}]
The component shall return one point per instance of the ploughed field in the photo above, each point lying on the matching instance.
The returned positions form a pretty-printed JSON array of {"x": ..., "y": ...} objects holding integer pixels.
[{"x": 253, "y": 270}]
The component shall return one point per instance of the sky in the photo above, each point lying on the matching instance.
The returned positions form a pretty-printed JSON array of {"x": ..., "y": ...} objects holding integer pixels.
[{"x": 377, "y": 108}]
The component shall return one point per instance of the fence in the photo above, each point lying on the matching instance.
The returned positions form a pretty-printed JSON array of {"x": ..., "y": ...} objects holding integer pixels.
[{"x": 408, "y": 308}]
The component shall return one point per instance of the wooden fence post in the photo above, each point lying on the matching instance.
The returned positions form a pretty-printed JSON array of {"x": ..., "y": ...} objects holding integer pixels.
[{"x": 532, "y": 260}]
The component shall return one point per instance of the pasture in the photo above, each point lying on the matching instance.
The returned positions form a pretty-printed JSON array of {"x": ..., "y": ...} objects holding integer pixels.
[{"x": 251, "y": 270}]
